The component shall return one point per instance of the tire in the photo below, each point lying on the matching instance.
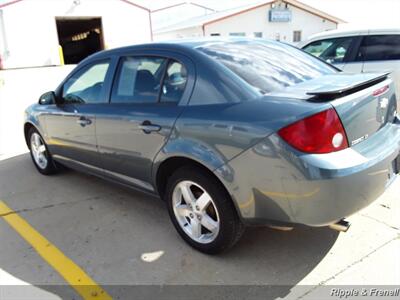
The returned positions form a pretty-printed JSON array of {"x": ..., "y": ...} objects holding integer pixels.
[
  {"x": 210, "y": 205},
  {"x": 40, "y": 154}
]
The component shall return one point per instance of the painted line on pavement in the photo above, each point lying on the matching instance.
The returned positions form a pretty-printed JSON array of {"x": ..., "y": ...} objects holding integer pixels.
[{"x": 71, "y": 272}]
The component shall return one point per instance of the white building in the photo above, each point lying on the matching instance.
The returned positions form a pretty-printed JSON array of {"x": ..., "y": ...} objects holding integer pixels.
[
  {"x": 286, "y": 20},
  {"x": 163, "y": 16},
  {"x": 32, "y": 32}
]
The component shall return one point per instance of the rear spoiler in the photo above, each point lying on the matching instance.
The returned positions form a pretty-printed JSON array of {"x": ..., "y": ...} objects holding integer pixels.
[{"x": 322, "y": 94}]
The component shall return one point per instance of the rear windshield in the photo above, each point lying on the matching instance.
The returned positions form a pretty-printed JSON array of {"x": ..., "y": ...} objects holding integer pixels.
[{"x": 266, "y": 65}]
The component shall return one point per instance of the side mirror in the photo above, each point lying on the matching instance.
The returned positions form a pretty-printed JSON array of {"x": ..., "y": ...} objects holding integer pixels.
[{"x": 47, "y": 98}]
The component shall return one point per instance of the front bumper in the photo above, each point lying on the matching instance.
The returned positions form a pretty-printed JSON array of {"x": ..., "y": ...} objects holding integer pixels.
[{"x": 272, "y": 183}]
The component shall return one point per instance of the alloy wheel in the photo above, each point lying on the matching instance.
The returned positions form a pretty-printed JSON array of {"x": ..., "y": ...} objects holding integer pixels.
[
  {"x": 38, "y": 150},
  {"x": 195, "y": 212}
]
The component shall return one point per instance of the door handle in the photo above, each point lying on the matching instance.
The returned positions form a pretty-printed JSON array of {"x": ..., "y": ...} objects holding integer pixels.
[
  {"x": 147, "y": 127},
  {"x": 83, "y": 121}
]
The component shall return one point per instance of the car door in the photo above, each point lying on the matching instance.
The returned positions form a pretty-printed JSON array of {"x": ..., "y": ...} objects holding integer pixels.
[
  {"x": 148, "y": 94},
  {"x": 71, "y": 124},
  {"x": 335, "y": 51},
  {"x": 381, "y": 53}
]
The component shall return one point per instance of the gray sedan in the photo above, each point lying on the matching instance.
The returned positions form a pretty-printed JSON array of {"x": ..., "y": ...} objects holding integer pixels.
[{"x": 227, "y": 132}]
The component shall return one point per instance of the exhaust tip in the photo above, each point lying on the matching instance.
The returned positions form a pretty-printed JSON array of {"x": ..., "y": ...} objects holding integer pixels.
[
  {"x": 281, "y": 228},
  {"x": 341, "y": 225}
]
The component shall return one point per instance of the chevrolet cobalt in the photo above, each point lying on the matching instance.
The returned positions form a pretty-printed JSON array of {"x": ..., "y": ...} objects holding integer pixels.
[{"x": 228, "y": 133}]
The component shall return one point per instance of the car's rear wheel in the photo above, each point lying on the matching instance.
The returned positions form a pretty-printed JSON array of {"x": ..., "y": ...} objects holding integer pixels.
[
  {"x": 202, "y": 211},
  {"x": 40, "y": 155}
]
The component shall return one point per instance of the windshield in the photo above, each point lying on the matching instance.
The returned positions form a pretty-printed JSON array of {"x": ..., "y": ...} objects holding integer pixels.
[{"x": 266, "y": 65}]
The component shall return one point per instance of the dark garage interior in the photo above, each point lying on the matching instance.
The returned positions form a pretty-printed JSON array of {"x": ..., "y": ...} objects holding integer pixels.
[{"x": 79, "y": 37}]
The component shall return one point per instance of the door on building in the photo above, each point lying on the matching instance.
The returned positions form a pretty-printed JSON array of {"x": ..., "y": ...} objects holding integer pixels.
[{"x": 79, "y": 37}]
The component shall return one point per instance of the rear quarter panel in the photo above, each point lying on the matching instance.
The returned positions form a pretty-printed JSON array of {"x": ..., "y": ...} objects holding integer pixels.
[{"x": 214, "y": 134}]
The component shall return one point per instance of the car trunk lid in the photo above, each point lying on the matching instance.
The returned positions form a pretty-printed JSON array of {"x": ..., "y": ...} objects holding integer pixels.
[{"x": 364, "y": 102}]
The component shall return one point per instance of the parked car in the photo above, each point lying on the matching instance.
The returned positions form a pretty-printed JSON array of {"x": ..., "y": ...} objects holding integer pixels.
[
  {"x": 228, "y": 132},
  {"x": 359, "y": 50}
]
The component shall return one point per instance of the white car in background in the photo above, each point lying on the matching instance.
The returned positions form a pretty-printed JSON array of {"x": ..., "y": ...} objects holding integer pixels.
[{"x": 357, "y": 51}]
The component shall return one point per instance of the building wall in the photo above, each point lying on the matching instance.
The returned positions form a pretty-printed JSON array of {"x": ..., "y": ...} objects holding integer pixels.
[
  {"x": 179, "y": 34},
  {"x": 31, "y": 32},
  {"x": 168, "y": 16},
  {"x": 256, "y": 20}
]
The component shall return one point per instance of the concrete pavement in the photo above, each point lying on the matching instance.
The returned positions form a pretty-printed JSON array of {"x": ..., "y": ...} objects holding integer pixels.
[{"x": 123, "y": 238}]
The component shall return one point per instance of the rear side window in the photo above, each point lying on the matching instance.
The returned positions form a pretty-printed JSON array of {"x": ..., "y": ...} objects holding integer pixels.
[
  {"x": 379, "y": 47},
  {"x": 330, "y": 50},
  {"x": 267, "y": 65},
  {"x": 174, "y": 82},
  {"x": 138, "y": 80}
]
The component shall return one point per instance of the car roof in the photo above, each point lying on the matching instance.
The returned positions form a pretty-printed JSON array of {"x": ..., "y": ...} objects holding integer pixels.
[
  {"x": 352, "y": 32},
  {"x": 180, "y": 45}
]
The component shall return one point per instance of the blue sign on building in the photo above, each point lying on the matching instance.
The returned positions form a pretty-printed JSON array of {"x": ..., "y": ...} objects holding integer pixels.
[{"x": 280, "y": 15}]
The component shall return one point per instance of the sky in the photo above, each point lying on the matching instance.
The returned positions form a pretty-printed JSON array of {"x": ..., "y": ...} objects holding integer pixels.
[{"x": 363, "y": 12}]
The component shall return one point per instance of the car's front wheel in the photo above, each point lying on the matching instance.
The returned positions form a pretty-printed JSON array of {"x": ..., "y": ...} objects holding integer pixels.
[
  {"x": 40, "y": 155},
  {"x": 202, "y": 211}
]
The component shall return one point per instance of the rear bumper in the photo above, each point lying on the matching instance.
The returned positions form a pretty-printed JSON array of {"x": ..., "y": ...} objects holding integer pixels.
[
  {"x": 272, "y": 183},
  {"x": 342, "y": 196}
]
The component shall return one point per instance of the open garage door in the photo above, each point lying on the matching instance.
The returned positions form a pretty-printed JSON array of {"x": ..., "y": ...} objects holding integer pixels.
[{"x": 79, "y": 37}]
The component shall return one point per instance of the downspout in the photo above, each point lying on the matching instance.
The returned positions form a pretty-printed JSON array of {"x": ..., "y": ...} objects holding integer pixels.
[
  {"x": 3, "y": 36},
  {"x": 151, "y": 26}
]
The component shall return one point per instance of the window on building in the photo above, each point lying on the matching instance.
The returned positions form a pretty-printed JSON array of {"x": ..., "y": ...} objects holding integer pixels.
[
  {"x": 379, "y": 47},
  {"x": 138, "y": 80},
  {"x": 86, "y": 85},
  {"x": 237, "y": 34},
  {"x": 297, "y": 36},
  {"x": 258, "y": 34},
  {"x": 215, "y": 34}
]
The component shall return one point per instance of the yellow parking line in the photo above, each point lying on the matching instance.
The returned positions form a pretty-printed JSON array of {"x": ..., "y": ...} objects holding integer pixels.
[{"x": 72, "y": 273}]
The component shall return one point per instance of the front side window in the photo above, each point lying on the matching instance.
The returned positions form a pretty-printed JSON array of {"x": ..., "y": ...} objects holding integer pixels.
[
  {"x": 174, "y": 82},
  {"x": 379, "y": 47},
  {"x": 86, "y": 86},
  {"x": 138, "y": 80},
  {"x": 267, "y": 65},
  {"x": 330, "y": 50}
]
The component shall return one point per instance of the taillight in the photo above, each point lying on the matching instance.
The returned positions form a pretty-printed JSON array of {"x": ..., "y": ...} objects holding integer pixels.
[
  {"x": 380, "y": 91},
  {"x": 319, "y": 133}
]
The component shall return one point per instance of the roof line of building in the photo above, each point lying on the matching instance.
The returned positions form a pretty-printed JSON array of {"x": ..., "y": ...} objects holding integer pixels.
[
  {"x": 202, "y": 6},
  {"x": 167, "y": 7},
  {"x": 214, "y": 19},
  {"x": 9, "y": 3},
  {"x": 136, "y": 5},
  {"x": 294, "y": 3},
  {"x": 315, "y": 11},
  {"x": 238, "y": 12},
  {"x": 126, "y": 1},
  {"x": 182, "y": 3}
]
